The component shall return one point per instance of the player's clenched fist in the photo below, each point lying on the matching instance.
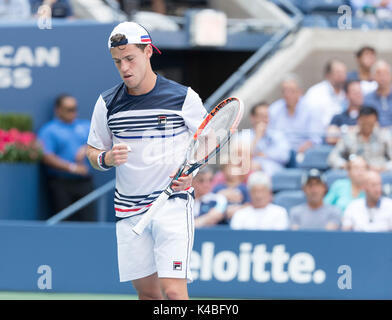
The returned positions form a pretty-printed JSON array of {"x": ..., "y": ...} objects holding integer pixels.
[{"x": 117, "y": 156}]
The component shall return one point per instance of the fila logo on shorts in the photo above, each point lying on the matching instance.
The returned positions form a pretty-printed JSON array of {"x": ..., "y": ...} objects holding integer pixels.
[{"x": 177, "y": 265}]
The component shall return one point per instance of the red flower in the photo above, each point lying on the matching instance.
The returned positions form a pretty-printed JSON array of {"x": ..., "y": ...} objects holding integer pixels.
[
  {"x": 16, "y": 146},
  {"x": 26, "y": 138}
]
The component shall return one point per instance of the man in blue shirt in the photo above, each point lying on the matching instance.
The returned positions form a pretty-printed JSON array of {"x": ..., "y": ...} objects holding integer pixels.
[
  {"x": 59, "y": 8},
  {"x": 290, "y": 115},
  {"x": 64, "y": 141},
  {"x": 14, "y": 10},
  {"x": 347, "y": 120},
  {"x": 366, "y": 57},
  {"x": 381, "y": 99},
  {"x": 209, "y": 208},
  {"x": 270, "y": 149}
]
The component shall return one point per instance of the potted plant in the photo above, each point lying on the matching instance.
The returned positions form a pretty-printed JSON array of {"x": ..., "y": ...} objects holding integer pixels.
[{"x": 20, "y": 154}]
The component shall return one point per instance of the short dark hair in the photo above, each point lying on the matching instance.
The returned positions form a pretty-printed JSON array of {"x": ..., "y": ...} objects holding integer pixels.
[
  {"x": 367, "y": 111},
  {"x": 257, "y": 105},
  {"x": 59, "y": 99},
  {"x": 363, "y": 49},
  {"x": 329, "y": 65},
  {"x": 118, "y": 37},
  {"x": 349, "y": 83}
]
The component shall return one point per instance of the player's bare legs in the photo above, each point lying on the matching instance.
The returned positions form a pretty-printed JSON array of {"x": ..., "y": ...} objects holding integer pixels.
[
  {"x": 148, "y": 288},
  {"x": 174, "y": 289}
]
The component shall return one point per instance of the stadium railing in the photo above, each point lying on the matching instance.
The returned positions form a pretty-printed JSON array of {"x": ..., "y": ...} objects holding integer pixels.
[
  {"x": 258, "y": 57},
  {"x": 97, "y": 194}
]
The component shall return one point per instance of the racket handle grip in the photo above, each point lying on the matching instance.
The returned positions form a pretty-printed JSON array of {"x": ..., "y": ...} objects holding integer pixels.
[{"x": 149, "y": 215}]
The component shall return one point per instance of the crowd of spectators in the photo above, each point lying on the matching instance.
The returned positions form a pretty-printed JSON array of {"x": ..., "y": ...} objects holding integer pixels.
[
  {"x": 25, "y": 9},
  {"x": 350, "y": 111},
  {"x": 19, "y": 10}
]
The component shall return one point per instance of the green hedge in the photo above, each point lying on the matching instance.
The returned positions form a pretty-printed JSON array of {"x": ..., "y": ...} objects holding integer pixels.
[{"x": 22, "y": 122}]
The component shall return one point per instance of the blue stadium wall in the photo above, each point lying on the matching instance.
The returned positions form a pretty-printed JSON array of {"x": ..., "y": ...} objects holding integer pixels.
[
  {"x": 37, "y": 64},
  {"x": 225, "y": 263}
]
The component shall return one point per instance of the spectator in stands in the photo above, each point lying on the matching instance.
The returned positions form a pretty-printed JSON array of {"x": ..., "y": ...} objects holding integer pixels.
[
  {"x": 262, "y": 214},
  {"x": 270, "y": 149},
  {"x": 380, "y": 9},
  {"x": 209, "y": 208},
  {"x": 158, "y": 6},
  {"x": 314, "y": 214},
  {"x": 59, "y": 8},
  {"x": 64, "y": 140},
  {"x": 366, "y": 57},
  {"x": 372, "y": 213},
  {"x": 327, "y": 97},
  {"x": 238, "y": 152},
  {"x": 130, "y": 7},
  {"x": 343, "y": 191},
  {"x": 381, "y": 99},
  {"x": 14, "y": 9},
  {"x": 347, "y": 120},
  {"x": 367, "y": 140},
  {"x": 292, "y": 117},
  {"x": 233, "y": 189}
]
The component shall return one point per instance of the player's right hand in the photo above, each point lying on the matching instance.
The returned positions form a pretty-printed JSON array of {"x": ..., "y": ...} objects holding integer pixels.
[{"x": 117, "y": 156}]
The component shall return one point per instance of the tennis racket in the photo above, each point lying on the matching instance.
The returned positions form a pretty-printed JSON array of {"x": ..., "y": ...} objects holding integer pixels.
[{"x": 213, "y": 133}]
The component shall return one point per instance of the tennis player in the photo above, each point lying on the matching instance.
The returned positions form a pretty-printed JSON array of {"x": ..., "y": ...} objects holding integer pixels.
[{"x": 142, "y": 127}]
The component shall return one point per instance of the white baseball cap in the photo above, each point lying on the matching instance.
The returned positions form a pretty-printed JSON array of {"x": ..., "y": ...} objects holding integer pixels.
[{"x": 134, "y": 34}]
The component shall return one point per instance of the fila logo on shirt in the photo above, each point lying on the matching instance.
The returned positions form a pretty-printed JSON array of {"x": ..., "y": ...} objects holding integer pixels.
[
  {"x": 177, "y": 265},
  {"x": 162, "y": 120}
]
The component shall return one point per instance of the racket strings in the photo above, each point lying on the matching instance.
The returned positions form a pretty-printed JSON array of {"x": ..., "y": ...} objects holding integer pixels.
[{"x": 216, "y": 132}]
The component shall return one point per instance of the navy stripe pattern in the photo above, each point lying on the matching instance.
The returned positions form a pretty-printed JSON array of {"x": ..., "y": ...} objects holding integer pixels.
[
  {"x": 135, "y": 202},
  {"x": 137, "y": 127},
  {"x": 153, "y": 115},
  {"x": 165, "y": 95}
]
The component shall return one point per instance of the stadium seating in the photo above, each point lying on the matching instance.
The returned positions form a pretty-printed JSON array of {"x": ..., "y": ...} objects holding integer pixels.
[
  {"x": 386, "y": 177},
  {"x": 387, "y": 183},
  {"x": 316, "y": 21},
  {"x": 287, "y": 179},
  {"x": 332, "y": 175},
  {"x": 316, "y": 157},
  {"x": 324, "y": 14},
  {"x": 311, "y": 6},
  {"x": 289, "y": 199},
  {"x": 385, "y": 24}
]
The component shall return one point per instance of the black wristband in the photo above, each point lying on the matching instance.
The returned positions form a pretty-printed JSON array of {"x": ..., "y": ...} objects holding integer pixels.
[{"x": 101, "y": 161}]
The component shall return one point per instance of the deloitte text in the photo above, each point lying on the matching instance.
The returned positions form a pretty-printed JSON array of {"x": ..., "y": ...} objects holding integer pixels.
[{"x": 254, "y": 263}]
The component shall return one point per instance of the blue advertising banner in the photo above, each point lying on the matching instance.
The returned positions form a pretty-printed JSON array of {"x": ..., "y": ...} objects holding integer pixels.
[
  {"x": 225, "y": 263},
  {"x": 38, "y": 64},
  {"x": 288, "y": 264}
]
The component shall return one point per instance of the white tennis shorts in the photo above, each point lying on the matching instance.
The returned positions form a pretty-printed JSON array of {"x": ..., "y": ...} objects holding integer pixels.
[{"x": 164, "y": 247}]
